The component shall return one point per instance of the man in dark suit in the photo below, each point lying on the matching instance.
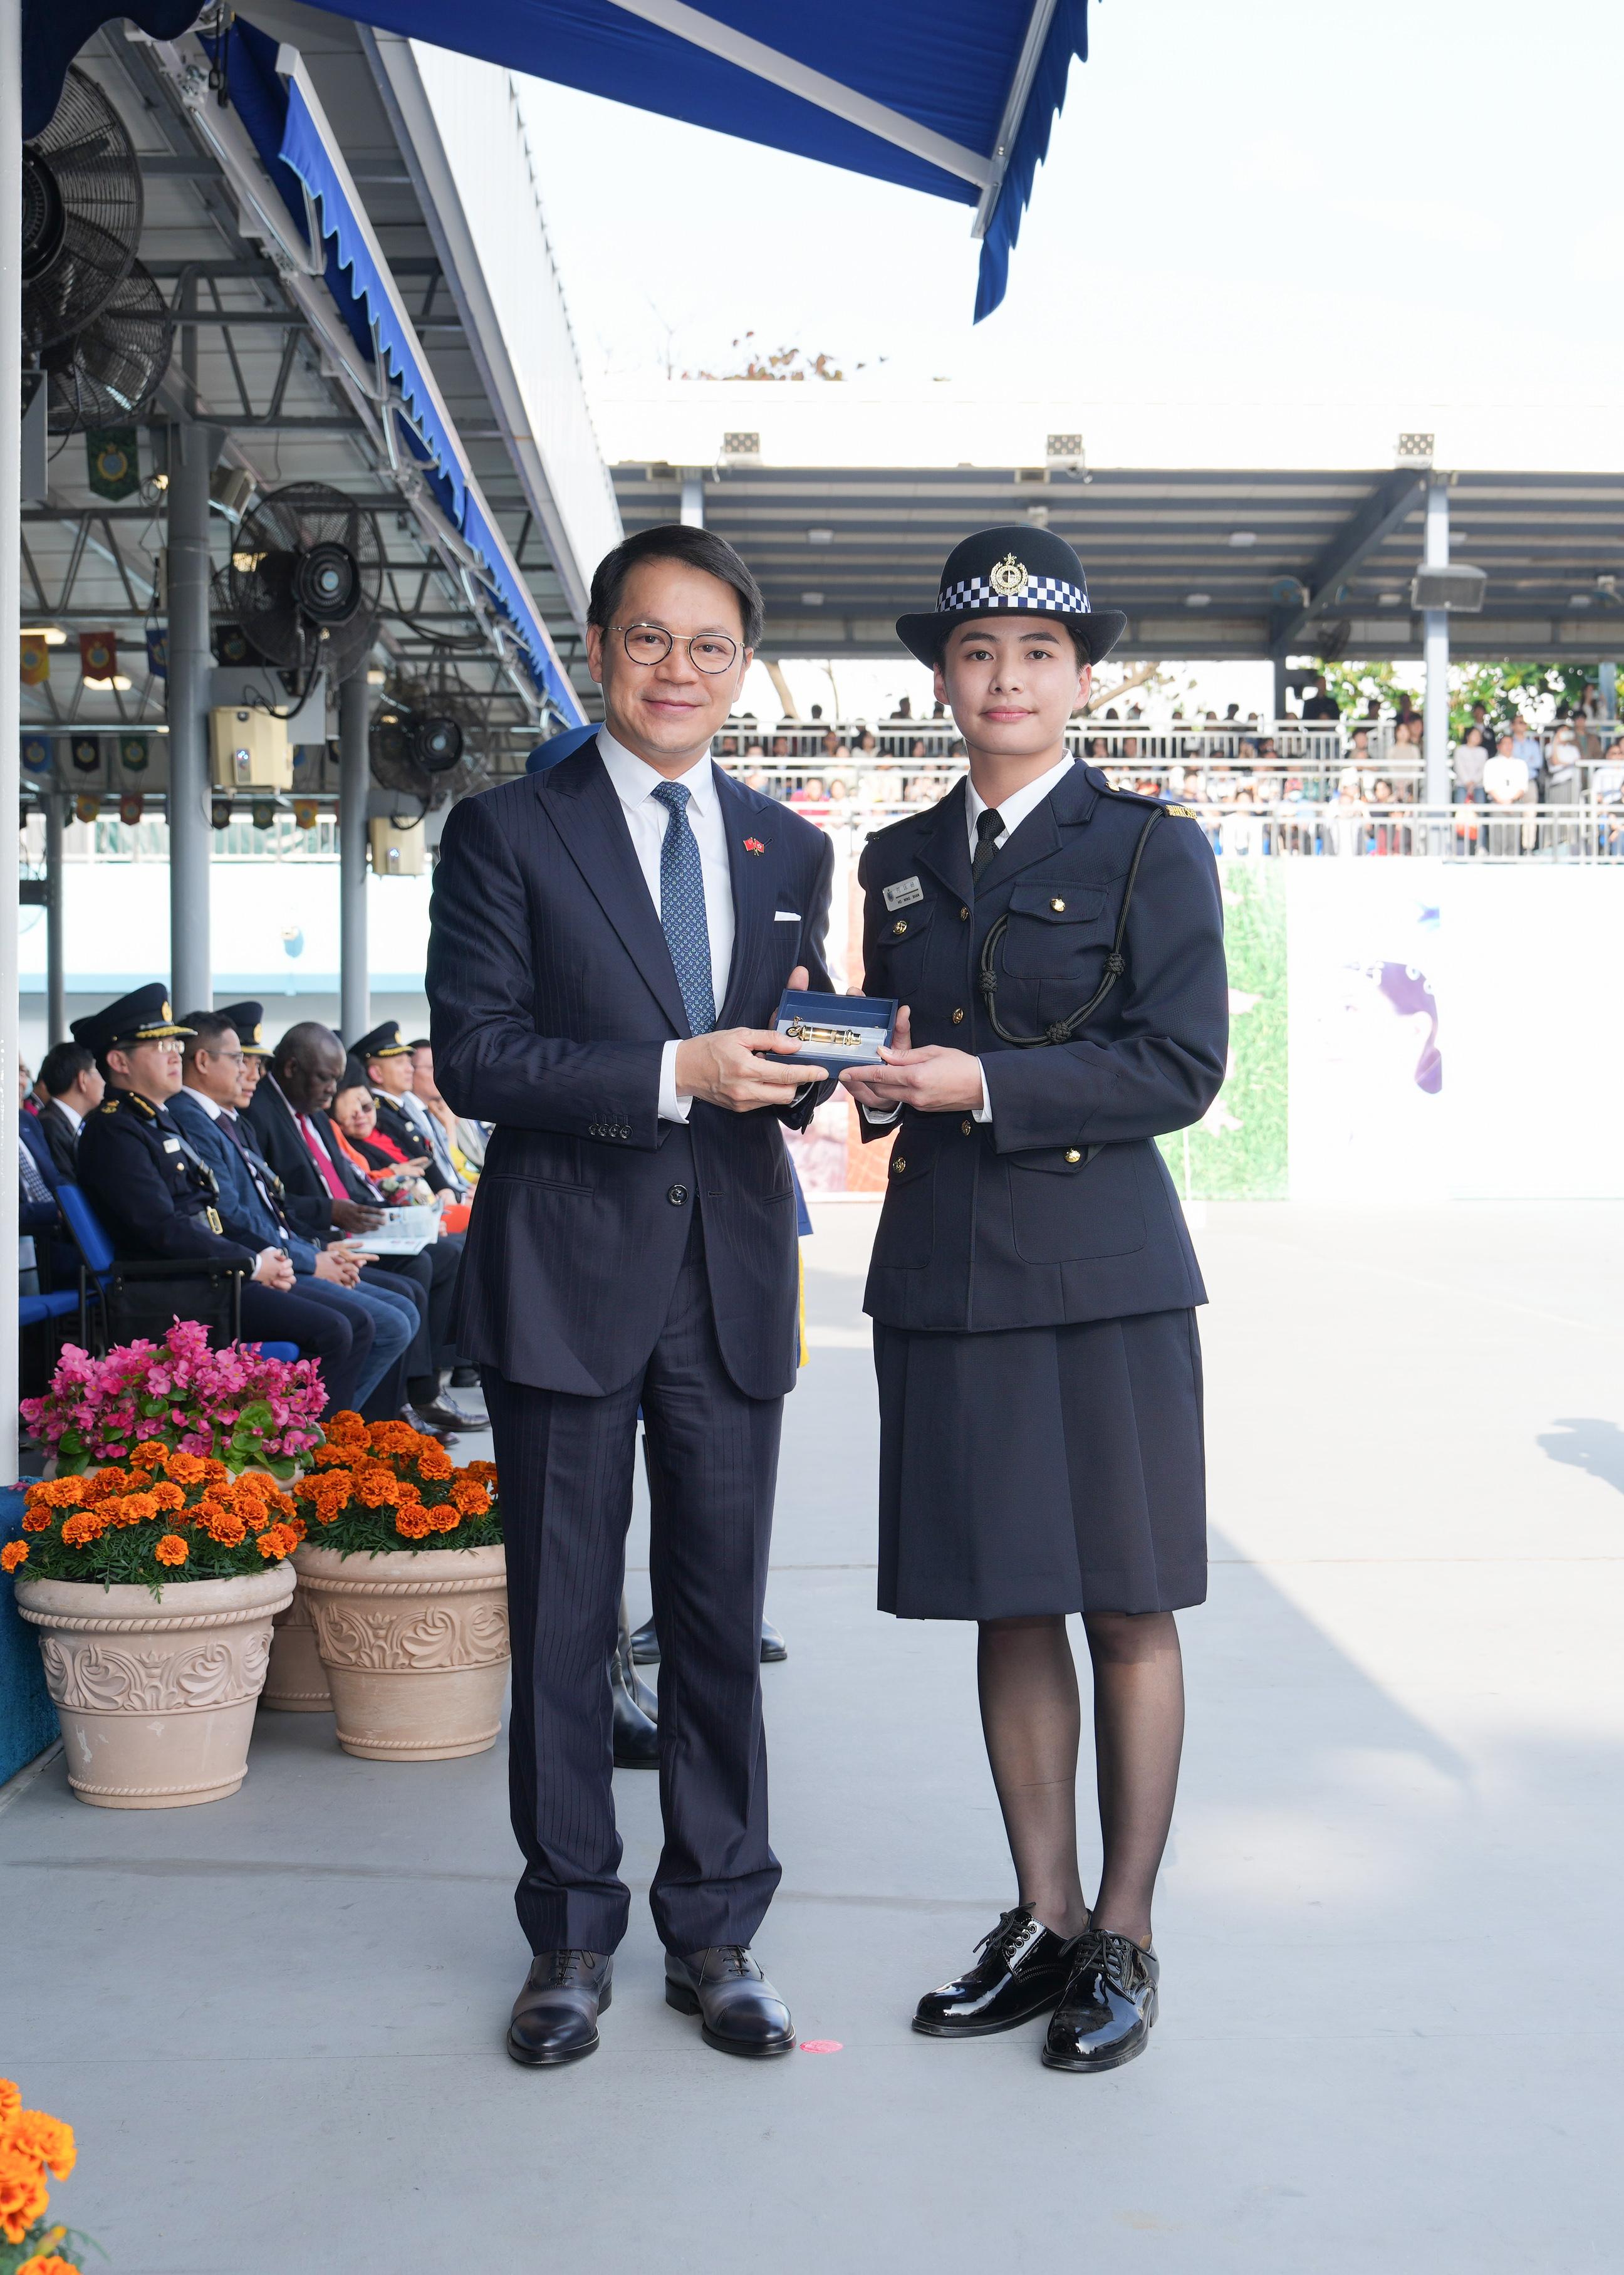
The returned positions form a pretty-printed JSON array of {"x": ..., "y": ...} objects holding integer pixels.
[
  {"x": 610, "y": 939},
  {"x": 323, "y": 1196},
  {"x": 73, "y": 1088}
]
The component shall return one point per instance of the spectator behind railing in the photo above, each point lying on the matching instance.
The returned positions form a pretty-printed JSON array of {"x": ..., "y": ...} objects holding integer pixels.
[{"x": 1470, "y": 757}]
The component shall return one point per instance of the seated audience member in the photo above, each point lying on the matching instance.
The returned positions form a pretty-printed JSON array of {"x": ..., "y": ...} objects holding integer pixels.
[
  {"x": 207, "y": 1109},
  {"x": 325, "y": 1194},
  {"x": 354, "y": 1112},
  {"x": 73, "y": 1088},
  {"x": 402, "y": 1116},
  {"x": 39, "y": 1217},
  {"x": 467, "y": 1139},
  {"x": 833, "y": 747}
]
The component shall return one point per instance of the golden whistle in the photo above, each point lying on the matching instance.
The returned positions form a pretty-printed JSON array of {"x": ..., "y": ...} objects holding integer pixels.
[{"x": 803, "y": 1031}]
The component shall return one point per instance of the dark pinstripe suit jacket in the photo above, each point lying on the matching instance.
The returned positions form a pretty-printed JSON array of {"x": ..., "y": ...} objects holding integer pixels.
[{"x": 553, "y": 993}]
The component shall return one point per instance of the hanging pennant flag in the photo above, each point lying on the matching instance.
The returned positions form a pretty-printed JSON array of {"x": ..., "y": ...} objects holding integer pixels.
[
  {"x": 36, "y": 754},
  {"x": 35, "y": 659},
  {"x": 129, "y": 806},
  {"x": 98, "y": 654},
  {"x": 305, "y": 814},
  {"x": 133, "y": 753},
  {"x": 158, "y": 650},
  {"x": 86, "y": 754},
  {"x": 112, "y": 454},
  {"x": 86, "y": 806}
]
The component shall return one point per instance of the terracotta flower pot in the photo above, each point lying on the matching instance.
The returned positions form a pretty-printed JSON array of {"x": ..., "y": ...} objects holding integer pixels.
[
  {"x": 155, "y": 1695},
  {"x": 415, "y": 1646},
  {"x": 296, "y": 1681}
]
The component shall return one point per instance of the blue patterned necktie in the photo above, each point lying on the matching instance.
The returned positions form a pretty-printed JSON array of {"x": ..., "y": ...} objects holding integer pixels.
[{"x": 681, "y": 910}]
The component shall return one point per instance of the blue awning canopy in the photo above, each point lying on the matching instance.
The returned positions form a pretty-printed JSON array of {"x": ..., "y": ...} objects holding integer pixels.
[
  {"x": 284, "y": 120},
  {"x": 953, "y": 97}
]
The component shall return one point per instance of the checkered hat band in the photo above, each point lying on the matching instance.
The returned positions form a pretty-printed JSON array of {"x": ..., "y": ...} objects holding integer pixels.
[{"x": 1048, "y": 595}]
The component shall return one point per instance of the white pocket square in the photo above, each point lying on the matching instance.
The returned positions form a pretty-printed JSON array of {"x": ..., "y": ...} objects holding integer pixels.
[{"x": 786, "y": 915}]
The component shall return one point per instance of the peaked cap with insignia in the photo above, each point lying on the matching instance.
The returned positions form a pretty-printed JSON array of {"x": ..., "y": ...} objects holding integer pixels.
[
  {"x": 248, "y": 1019},
  {"x": 142, "y": 1016},
  {"x": 384, "y": 1042},
  {"x": 1021, "y": 570}
]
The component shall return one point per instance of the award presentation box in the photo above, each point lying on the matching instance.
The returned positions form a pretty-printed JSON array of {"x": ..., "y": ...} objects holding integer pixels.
[{"x": 836, "y": 1031}]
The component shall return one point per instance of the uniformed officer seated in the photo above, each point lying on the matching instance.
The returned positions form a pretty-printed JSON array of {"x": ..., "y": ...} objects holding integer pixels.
[
  {"x": 158, "y": 1198},
  {"x": 403, "y": 1118}
]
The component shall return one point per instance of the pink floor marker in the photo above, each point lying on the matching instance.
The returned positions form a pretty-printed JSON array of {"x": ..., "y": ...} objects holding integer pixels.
[{"x": 820, "y": 2045}]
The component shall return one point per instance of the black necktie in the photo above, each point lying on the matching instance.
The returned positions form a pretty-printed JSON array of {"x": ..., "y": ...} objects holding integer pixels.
[
  {"x": 989, "y": 829},
  {"x": 253, "y": 1164}
]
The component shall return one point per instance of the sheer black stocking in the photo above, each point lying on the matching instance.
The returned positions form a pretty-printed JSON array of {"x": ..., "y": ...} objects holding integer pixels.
[
  {"x": 1032, "y": 1722},
  {"x": 1138, "y": 1734}
]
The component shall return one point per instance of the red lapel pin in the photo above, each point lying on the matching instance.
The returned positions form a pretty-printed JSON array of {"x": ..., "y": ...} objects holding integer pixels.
[{"x": 754, "y": 845}]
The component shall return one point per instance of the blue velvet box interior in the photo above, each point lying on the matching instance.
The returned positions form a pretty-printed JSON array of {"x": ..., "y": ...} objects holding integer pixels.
[{"x": 848, "y": 1028}]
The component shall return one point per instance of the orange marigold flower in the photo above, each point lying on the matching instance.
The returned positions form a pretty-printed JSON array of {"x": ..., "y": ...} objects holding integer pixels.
[
  {"x": 378, "y": 1490},
  {"x": 433, "y": 1461},
  {"x": 394, "y": 1438},
  {"x": 84, "y": 1526},
  {"x": 133, "y": 1509},
  {"x": 188, "y": 1468},
  {"x": 486, "y": 1471},
  {"x": 225, "y": 1528},
  {"x": 55, "y": 2265},
  {"x": 14, "y": 1552},
  {"x": 23, "y": 2195},
  {"x": 470, "y": 1497},
  {"x": 148, "y": 1453},
  {"x": 346, "y": 1422},
  {"x": 167, "y": 1495},
  {"x": 297, "y": 1526},
  {"x": 446, "y": 1518},
  {"x": 414, "y": 1522},
  {"x": 171, "y": 1549},
  {"x": 10, "y": 2098},
  {"x": 45, "y": 2139},
  {"x": 36, "y": 1520},
  {"x": 277, "y": 1544},
  {"x": 105, "y": 1484},
  {"x": 216, "y": 1471},
  {"x": 280, "y": 1504},
  {"x": 255, "y": 1481},
  {"x": 334, "y": 1457}
]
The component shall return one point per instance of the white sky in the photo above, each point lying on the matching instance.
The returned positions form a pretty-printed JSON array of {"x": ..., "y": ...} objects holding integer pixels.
[{"x": 1309, "y": 221}]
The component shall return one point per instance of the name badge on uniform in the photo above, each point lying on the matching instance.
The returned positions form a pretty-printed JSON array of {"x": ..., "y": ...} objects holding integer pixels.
[
  {"x": 904, "y": 896},
  {"x": 171, "y": 1144}
]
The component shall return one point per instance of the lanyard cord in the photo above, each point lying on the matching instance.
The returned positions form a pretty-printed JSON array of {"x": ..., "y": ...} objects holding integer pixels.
[{"x": 1064, "y": 1030}]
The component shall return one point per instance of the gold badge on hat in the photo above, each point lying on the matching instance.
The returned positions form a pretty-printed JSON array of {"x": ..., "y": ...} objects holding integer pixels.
[
  {"x": 167, "y": 1013},
  {"x": 1008, "y": 576}
]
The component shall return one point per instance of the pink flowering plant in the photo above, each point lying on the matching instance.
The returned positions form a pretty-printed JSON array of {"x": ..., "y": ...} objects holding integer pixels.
[{"x": 232, "y": 1405}]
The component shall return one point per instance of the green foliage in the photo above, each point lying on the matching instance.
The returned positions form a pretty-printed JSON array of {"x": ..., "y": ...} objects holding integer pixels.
[
  {"x": 1505, "y": 689},
  {"x": 1238, "y": 1151},
  {"x": 1354, "y": 683}
]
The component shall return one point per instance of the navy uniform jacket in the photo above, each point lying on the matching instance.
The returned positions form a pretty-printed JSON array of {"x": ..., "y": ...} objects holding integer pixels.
[
  {"x": 552, "y": 993},
  {"x": 1062, "y": 1209},
  {"x": 243, "y": 1210},
  {"x": 142, "y": 1182}
]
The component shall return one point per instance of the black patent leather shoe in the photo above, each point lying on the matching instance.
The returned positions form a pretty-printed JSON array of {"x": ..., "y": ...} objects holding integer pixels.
[
  {"x": 636, "y": 1732},
  {"x": 772, "y": 1646},
  {"x": 1105, "y": 2017},
  {"x": 556, "y": 2015},
  {"x": 740, "y": 2013},
  {"x": 1021, "y": 1972}
]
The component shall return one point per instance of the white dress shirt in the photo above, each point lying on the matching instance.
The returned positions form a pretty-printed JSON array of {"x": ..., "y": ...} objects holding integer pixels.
[
  {"x": 1012, "y": 813},
  {"x": 73, "y": 1114},
  {"x": 216, "y": 1114},
  {"x": 647, "y": 820}
]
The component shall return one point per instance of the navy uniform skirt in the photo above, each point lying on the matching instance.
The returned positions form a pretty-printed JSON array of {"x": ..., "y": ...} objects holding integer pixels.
[{"x": 1041, "y": 1470}]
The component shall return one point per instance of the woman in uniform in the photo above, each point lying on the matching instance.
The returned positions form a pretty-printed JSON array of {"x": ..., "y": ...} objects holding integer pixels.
[{"x": 1057, "y": 946}]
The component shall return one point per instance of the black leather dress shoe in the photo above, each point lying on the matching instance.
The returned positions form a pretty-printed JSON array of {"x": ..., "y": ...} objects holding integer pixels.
[
  {"x": 421, "y": 1419},
  {"x": 466, "y": 1378},
  {"x": 645, "y": 1644},
  {"x": 556, "y": 2015},
  {"x": 1105, "y": 2017},
  {"x": 637, "y": 1734},
  {"x": 740, "y": 2012},
  {"x": 1022, "y": 1970}
]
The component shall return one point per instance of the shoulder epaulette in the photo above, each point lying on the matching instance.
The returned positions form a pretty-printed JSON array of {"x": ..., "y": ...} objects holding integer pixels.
[
  {"x": 1184, "y": 812},
  {"x": 133, "y": 1097},
  {"x": 108, "y": 1104}
]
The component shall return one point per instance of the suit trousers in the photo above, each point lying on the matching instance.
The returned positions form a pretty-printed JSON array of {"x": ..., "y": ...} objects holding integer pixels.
[
  {"x": 338, "y": 1336},
  {"x": 566, "y": 1463}
]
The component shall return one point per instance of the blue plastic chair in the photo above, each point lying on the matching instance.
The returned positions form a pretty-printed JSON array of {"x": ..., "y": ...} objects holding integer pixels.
[
  {"x": 100, "y": 1267},
  {"x": 55, "y": 1305}
]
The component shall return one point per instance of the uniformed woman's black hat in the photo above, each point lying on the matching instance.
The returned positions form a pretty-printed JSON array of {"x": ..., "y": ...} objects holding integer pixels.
[
  {"x": 248, "y": 1019},
  {"x": 1020, "y": 569},
  {"x": 142, "y": 1016},
  {"x": 383, "y": 1043}
]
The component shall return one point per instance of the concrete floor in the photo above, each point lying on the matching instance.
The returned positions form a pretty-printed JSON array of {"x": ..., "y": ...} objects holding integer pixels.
[{"x": 1391, "y": 1984}]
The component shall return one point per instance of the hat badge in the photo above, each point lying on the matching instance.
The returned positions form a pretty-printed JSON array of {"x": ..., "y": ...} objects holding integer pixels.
[
  {"x": 1008, "y": 576},
  {"x": 167, "y": 1014}
]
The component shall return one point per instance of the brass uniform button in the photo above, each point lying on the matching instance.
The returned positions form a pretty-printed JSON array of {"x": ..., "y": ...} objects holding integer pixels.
[
  {"x": 963, "y": 916},
  {"x": 901, "y": 925},
  {"x": 958, "y": 1018},
  {"x": 1072, "y": 1153},
  {"x": 898, "y": 1166},
  {"x": 1059, "y": 907},
  {"x": 967, "y": 1127}
]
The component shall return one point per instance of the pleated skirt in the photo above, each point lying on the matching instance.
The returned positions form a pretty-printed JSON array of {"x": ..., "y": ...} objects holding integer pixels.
[{"x": 1042, "y": 1470}]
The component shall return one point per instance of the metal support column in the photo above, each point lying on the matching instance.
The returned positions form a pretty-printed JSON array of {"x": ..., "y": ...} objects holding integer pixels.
[
  {"x": 1435, "y": 650},
  {"x": 194, "y": 448},
  {"x": 354, "y": 778},
  {"x": 56, "y": 977},
  {"x": 11, "y": 606},
  {"x": 691, "y": 513},
  {"x": 1607, "y": 687},
  {"x": 1279, "y": 687}
]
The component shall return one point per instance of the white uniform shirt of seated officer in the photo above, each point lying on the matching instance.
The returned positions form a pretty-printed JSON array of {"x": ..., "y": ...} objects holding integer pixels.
[
  {"x": 670, "y": 666},
  {"x": 1012, "y": 682}
]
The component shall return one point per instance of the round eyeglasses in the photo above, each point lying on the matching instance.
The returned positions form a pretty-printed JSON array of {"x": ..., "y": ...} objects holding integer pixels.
[{"x": 646, "y": 644}]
